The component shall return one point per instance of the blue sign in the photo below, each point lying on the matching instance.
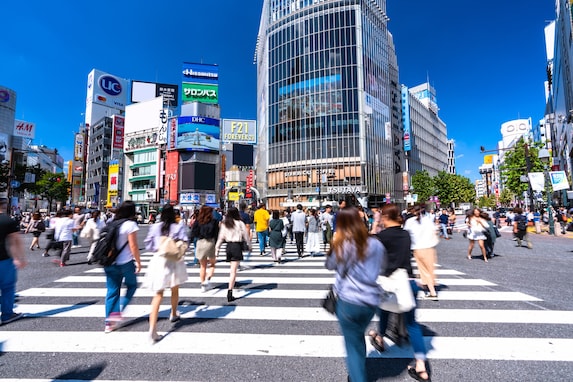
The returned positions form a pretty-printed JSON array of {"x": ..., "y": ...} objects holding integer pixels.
[{"x": 14, "y": 184}]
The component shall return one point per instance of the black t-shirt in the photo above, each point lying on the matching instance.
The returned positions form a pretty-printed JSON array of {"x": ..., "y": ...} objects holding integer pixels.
[
  {"x": 245, "y": 217},
  {"x": 7, "y": 227},
  {"x": 397, "y": 243}
]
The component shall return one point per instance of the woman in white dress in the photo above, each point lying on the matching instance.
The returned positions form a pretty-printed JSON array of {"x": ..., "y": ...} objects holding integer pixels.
[
  {"x": 163, "y": 273},
  {"x": 314, "y": 233},
  {"x": 477, "y": 227}
]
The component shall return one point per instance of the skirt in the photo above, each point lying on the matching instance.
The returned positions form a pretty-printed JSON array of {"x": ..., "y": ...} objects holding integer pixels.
[
  {"x": 234, "y": 252},
  {"x": 205, "y": 248},
  {"x": 162, "y": 273}
]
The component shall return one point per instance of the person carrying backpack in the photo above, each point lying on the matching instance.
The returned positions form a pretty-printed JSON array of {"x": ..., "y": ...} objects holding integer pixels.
[
  {"x": 520, "y": 227},
  {"x": 124, "y": 268},
  {"x": 36, "y": 227}
]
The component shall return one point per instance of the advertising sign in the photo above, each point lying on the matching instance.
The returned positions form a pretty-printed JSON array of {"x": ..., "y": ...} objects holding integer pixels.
[
  {"x": 107, "y": 90},
  {"x": 118, "y": 131},
  {"x": 113, "y": 175},
  {"x": 198, "y": 134},
  {"x": 559, "y": 180},
  {"x": 77, "y": 167},
  {"x": 205, "y": 93},
  {"x": 79, "y": 147},
  {"x": 146, "y": 91},
  {"x": 4, "y": 148},
  {"x": 239, "y": 131},
  {"x": 172, "y": 134},
  {"x": 314, "y": 97},
  {"x": 200, "y": 73},
  {"x": 187, "y": 198},
  {"x": 24, "y": 129},
  {"x": 406, "y": 119}
]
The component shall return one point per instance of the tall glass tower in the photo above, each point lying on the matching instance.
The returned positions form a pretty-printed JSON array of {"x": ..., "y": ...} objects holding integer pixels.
[{"x": 325, "y": 112}]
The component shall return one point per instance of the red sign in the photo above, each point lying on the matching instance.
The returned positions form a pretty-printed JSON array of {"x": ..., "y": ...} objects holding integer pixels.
[{"x": 118, "y": 129}]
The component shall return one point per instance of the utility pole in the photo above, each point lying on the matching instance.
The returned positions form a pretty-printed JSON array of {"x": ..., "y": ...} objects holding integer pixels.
[{"x": 528, "y": 169}]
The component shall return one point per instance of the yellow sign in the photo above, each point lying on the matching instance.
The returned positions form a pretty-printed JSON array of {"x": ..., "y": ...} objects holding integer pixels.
[
  {"x": 233, "y": 196},
  {"x": 488, "y": 159}
]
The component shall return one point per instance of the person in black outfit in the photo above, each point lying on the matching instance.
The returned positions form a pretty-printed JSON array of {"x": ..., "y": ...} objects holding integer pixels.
[{"x": 397, "y": 243}]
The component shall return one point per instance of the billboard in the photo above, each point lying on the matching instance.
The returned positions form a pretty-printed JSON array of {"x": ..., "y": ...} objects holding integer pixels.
[
  {"x": 200, "y": 73},
  {"x": 239, "y": 131},
  {"x": 107, "y": 90},
  {"x": 4, "y": 148},
  {"x": 113, "y": 183},
  {"x": 205, "y": 93},
  {"x": 314, "y": 97},
  {"x": 198, "y": 134},
  {"x": 145, "y": 91},
  {"x": 172, "y": 134},
  {"x": 118, "y": 131},
  {"x": 242, "y": 155},
  {"x": 79, "y": 147},
  {"x": 24, "y": 129},
  {"x": 407, "y": 139}
]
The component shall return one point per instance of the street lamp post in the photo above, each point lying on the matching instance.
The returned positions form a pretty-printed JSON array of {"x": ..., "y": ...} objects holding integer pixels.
[{"x": 544, "y": 157}]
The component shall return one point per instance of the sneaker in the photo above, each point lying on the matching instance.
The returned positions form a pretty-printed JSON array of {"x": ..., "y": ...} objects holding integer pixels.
[
  {"x": 529, "y": 245},
  {"x": 203, "y": 288},
  {"x": 13, "y": 317},
  {"x": 45, "y": 255},
  {"x": 109, "y": 327}
]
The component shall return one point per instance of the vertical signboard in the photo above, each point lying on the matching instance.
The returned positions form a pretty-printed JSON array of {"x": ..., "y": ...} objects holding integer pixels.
[
  {"x": 113, "y": 183},
  {"x": 406, "y": 119},
  {"x": 79, "y": 147},
  {"x": 118, "y": 131},
  {"x": 172, "y": 139}
]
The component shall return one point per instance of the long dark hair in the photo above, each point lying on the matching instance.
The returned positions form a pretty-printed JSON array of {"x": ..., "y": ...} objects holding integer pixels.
[
  {"x": 232, "y": 215},
  {"x": 350, "y": 228},
  {"x": 167, "y": 218},
  {"x": 126, "y": 210}
]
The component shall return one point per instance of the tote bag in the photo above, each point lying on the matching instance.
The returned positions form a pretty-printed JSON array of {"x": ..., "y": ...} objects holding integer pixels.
[
  {"x": 171, "y": 249},
  {"x": 396, "y": 296}
]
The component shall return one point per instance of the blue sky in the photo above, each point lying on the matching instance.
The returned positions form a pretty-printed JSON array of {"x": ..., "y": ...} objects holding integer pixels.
[{"x": 485, "y": 60}]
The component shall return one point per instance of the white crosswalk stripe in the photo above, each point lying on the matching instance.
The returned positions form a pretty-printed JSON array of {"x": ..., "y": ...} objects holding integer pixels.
[{"x": 288, "y": 292}]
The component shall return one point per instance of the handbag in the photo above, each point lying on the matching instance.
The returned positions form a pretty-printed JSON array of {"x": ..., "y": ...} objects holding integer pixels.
[
  {"x": 397, "y": 295},
  {"x": 497, "y": 233},
  {"x": 171, "y": 249},
  {"x": 329, "y": 302}
]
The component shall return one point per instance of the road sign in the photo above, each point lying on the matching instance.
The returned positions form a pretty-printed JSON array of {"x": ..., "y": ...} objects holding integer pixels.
[{"x": 14, "y": 184}]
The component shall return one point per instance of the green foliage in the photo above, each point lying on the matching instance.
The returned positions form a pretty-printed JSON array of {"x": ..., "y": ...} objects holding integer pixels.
[
  {"x": 52, "y": 189},
  {"x": 487, "y": 201},
  {"x": 516, "y": 164},
  {"x": 423, "y": 185},
  {"x": 505, "y": 197},
  {"x": 449, "y": 188}
]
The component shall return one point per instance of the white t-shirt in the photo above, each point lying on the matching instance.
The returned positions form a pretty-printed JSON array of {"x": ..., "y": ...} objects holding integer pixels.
[{"x": 125, "y": 256}]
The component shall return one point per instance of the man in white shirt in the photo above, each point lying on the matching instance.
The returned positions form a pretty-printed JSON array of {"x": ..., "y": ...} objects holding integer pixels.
[
  {"x": 65, "y": 227},
  {"x": 326, "y": 221},
  {"x": 298, "y": 219}
]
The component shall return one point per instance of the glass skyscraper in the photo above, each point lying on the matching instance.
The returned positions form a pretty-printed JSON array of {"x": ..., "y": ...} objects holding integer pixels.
[{"x": 325, "y": 94}]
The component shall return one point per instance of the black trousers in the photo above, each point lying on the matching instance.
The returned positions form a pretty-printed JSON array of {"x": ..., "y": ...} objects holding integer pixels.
[{"x": 299, "y": 238}]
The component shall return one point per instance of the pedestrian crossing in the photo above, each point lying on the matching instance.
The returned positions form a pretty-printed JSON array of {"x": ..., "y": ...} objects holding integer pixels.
[{"x": 277, "y": 314}]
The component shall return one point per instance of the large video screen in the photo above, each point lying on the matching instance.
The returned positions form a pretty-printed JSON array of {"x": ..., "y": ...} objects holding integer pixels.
[
  {"x": 315, "y": 97},
  {"x": 198, "y": 134}
]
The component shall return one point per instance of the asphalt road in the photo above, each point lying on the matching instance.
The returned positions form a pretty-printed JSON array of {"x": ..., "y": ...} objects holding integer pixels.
[{"x": 510, "y": 319}]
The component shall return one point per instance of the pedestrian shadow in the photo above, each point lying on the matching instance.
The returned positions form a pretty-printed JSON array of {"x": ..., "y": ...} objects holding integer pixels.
[
  {"x": 53, "y": 312},
  {"x": 203, "y": 313},
  {"x": 82, "y": 373}
]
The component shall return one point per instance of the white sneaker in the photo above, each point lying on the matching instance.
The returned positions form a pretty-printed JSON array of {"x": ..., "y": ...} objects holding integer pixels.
[{"x": 203, "y": 288}]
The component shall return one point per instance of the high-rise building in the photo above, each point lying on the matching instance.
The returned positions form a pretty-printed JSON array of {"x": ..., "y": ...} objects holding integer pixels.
[
  {"x": 451, "y": 169},
  {"x": 327, "y": 94}
]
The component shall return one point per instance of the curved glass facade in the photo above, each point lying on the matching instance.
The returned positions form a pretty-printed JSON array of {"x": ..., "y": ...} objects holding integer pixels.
[{"x": 325, "y": 113}]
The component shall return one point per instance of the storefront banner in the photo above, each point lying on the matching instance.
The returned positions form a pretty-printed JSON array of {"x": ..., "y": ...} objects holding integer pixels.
[{"x": 559, "y": 180}]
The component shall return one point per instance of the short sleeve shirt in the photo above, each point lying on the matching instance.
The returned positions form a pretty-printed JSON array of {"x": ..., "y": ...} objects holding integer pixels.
[
  {"x": 7, "y": 226},
  {"x": 127, "y": 227}
]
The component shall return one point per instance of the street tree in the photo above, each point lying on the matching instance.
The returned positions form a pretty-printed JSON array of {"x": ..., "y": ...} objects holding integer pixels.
[
  {"x": 453, "y": 188},
  {"x": 486, "y": 201},
  {"x": 516, "y": 163},
  {"x": 505, "y": 197},
  {"x": 423, "y": 185},
  {"x": 54, "y": 187}
]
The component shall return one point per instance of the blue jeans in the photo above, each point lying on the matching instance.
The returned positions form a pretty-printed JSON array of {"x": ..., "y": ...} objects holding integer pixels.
[
  {"x": 353, "y": 320},
  {"x": 115, "y": 274},
  {"x": 414, "y": 330},
  {"x": 263, "y": 237},
  {"x": 444, "y": 227},
  {"x": 7, "y": 287},
  {"x": 75, "y": 238}
]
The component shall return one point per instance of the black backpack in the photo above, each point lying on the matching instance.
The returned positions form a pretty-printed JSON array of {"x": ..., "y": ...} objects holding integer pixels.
[
  {"x": 41, "y": 227},
  {"x": 106, "y": 250},
  {"x": 522, "y": 225}
]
